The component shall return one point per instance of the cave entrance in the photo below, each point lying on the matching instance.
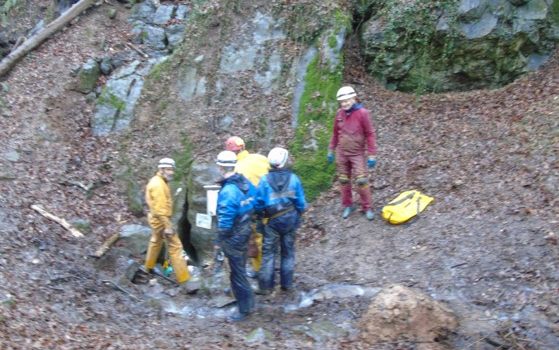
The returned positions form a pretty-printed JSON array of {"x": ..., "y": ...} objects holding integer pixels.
[{"x": 184, "y": 228}]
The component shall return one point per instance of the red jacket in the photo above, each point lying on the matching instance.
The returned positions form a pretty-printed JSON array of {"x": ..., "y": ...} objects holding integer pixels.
[{"x": 353, "y": 132}]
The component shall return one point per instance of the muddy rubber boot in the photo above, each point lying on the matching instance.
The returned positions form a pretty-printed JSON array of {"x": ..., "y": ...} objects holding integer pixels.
[
  {"x": 263, "y": 291},
  {"x": 369, "y": 214},
  {"x": 191, "y": 287},
  {"x": 137, "y": 273},
  {"x": 238, "y": 317},
  {"x": 347, "y": 212},
  {"x": 289, "y": 291}
]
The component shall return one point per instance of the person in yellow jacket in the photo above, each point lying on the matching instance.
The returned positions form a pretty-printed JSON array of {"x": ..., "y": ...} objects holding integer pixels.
[
  {"x": 252, "y": 166},
  {"x": 160, "y": 203}
]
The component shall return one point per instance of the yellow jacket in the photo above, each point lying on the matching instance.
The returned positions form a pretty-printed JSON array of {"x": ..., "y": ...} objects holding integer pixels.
[
  {"x": 252, "y": 166},
  {"x": 159, "y": 200}
]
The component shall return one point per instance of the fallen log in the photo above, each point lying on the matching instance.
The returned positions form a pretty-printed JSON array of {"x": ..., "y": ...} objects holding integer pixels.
[
  {"x": 106, "y": 245},
  {"x": 28, "y": 45},
  {"x": 62, "y": 222}
]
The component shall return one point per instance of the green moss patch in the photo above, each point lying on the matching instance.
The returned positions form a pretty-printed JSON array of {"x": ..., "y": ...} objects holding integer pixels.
[
  {"x": 316, "y": 115},
  {"x": 110, "y": 99},
  {"x": 555, "y": 12},
  {"x": 6, "y": 9}
]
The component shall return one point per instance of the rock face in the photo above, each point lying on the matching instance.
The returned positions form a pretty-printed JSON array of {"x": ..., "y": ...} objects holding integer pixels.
[
  {"x": 235, "y": 70},
  {"x": 461, "y": 45},
  {"x": 236, "y": 77},
  {"x": 399, "y": 313},
  {"x": 115, "y": 106},
  {"x": 253, "y": 53},
  {"x": 202, "y": 238},
  {"x": 159, "y": 27}
]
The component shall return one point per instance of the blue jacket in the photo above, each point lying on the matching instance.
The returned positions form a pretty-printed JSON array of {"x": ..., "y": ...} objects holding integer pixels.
[
  {"x": 235, "y": 203},
  {"x": 280, "y": 190}
]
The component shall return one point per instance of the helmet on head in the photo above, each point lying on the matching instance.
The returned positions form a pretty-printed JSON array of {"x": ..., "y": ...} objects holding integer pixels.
[
  {"x": 226, "y": 159},
  {"x": 166, "y": 163},
  {"x": 278, "y": 157},
  {"x": 234, "y": 144},
  {"x": 345, "y": 92}
]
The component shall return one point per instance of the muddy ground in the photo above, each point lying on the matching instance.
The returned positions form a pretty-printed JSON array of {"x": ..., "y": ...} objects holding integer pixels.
[{"x": 487, "y": 245}]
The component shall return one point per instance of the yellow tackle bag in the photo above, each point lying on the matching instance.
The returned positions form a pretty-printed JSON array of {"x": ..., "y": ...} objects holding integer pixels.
[{"x": 404, "y": 207}]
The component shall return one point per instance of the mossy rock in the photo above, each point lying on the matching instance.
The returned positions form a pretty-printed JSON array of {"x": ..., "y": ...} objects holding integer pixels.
[
  {"x": 88, "y": 75},
  {"x": 315, "y": 120},
  {"x": 448, "y": 45}
]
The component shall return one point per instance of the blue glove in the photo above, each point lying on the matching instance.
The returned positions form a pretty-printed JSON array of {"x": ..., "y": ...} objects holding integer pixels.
[
  {"x": 371, "y": 162},
  {"x": 330, "y": 157}
]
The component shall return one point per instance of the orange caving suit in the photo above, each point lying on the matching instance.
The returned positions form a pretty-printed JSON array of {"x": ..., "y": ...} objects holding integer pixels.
[{"x": 160, "y": 202}]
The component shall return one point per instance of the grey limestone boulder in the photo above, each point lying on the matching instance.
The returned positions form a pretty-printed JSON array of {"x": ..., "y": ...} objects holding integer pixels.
[
  {"x": 163, "y": 14},
  {"x": 88, "y": 75},
  {"x": 175, "y": 33},
  {"x": 154, "y": 37},
  {"x": 143, "y": 11},
  {"x": 115, "y": 106},
  {"x": 134, "y": 238},
  {"x": 182, "y": 12},
  {"x": 202, "y": 238}
]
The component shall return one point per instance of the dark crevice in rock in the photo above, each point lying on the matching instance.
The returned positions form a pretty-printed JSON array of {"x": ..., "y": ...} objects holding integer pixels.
[
  {"x": 361, "y": 14},
  {"x": 184, "y": 227}
]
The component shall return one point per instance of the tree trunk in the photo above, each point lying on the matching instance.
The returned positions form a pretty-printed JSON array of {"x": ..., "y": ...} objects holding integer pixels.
[{"x": 7, "y": 63}]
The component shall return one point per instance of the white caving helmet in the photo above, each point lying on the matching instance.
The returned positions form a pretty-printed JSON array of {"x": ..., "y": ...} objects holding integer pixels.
[
  {"x": 166, "y": 163},
  {"x": 226, "y": 159},
  {"x": 345, "y": 92},
  {"x": 278, "y": 157}
]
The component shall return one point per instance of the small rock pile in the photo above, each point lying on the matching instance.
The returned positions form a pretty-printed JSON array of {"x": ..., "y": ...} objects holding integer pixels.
[{"x": 399, "y": 313}]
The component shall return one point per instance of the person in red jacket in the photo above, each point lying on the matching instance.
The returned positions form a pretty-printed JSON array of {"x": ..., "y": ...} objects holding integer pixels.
[{"x": 354, "y": 145}]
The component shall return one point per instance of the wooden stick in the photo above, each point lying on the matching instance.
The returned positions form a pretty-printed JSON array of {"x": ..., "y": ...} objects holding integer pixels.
[
  {"x": 137, "y": 49},
  {"x": 106, "y": 245},
  {"x": 62, "y": 222},
  {"x": 117, "y": 287},
  {"x": 36, "y": 40},
  {"x": 77, "y": 184}
]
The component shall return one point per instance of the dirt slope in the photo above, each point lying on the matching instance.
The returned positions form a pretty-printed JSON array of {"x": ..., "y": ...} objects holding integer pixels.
[
  {"x": 490, "y": 160},
  {"x": 488, "y": 157}
]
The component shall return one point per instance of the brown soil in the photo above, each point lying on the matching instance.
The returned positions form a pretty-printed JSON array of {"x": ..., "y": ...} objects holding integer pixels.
[{"x": 485, "y": 247}]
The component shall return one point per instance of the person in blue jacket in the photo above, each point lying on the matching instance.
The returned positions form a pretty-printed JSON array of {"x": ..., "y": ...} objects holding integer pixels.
[
  {"x": 280, "y": 199},
  {"x": 235, "y": 207}
]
